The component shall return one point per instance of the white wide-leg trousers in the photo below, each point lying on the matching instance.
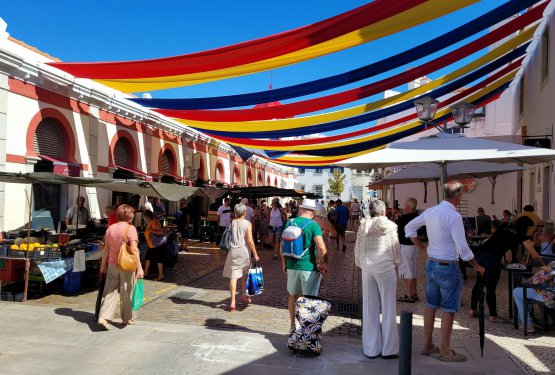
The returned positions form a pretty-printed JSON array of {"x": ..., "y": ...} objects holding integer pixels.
[{"x": 379, "y": 293}]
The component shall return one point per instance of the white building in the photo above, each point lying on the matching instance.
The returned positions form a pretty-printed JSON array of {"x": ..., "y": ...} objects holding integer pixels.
[{"x": 52, "y": 121}]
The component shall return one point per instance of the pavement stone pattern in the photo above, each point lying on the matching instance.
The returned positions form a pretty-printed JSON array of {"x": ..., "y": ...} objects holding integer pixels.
[{"x": 198, "y": 296}]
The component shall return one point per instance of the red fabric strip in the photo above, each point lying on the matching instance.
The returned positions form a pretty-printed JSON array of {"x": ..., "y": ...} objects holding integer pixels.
[
  {"x": 246, "y": 52},
  {"x": 312, "y": 105}
]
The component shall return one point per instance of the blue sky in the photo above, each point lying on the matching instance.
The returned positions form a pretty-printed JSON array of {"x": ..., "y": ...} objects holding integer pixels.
[{"x": 130, "y": 30}]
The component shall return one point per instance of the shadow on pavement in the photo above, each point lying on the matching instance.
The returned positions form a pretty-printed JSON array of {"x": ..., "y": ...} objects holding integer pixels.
[{"x": 80, "y": 316}]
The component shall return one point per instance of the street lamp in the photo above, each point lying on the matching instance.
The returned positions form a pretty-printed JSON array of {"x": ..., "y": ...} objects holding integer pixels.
[
  {"x": 462, "y": 113},
  {"x": 426, "y": 108}
]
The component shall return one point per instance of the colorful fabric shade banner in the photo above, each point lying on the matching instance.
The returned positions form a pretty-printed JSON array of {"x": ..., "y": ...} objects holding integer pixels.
[
  {"x": 318, "y": 104},
  {"x": 416, "y": 15},
  {"x": 470, "y": 28}
]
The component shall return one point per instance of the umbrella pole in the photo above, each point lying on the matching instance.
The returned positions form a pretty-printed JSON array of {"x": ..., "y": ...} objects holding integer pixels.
[
  {"x": 443, "y": 176},
  {"x": 437, "y": 191},
  {"x": 27, "y": 260}
]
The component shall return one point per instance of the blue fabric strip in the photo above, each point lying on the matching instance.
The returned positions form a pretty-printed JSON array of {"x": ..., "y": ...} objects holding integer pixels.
[{"x": 460, "y": 33}]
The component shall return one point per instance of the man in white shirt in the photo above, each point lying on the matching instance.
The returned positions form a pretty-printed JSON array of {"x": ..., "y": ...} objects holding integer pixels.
[
  {"x": 250, "y": 212},
  {"x": 78, "y": 215},
  {"x": 224, "y": 217},
  {"x": 444, "y": 282}
]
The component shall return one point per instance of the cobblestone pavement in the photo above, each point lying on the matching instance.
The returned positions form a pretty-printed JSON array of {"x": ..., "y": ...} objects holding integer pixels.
[{"x": 198, "y": 295}]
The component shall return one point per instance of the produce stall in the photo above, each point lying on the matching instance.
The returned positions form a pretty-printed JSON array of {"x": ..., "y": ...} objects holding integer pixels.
[{"x": 57, "y": 258}]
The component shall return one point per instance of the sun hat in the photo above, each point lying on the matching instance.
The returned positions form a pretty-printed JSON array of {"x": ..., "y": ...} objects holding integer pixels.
[{"x": 308, "y": 204}]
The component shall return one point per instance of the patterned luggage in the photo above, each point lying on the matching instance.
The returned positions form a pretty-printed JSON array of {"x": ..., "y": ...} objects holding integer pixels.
[{"x": 310, "y": 314}]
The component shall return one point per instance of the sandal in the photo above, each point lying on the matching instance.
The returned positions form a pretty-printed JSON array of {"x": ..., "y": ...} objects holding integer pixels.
[
  {"x": 406, "y": 299},
  {"x": 129, "y": 322},
  {"x": 104, "y": 325},
  {"x": 231, "y": 308},
  {"x": 453, "y": 357},
  {"x": 433, "y": 351},
  {"x": 245, "y": 300}
]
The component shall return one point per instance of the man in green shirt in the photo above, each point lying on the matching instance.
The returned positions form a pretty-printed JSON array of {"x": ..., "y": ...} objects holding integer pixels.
[{"x": 302, "y": 274}]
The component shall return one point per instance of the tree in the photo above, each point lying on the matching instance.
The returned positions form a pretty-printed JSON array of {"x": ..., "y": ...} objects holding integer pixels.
[{"x": 336, "y": 182}]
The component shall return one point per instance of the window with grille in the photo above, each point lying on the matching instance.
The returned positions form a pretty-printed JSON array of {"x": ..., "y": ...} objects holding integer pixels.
[
  {"x": 47, "y": 139},
  {"x": 301, "y": 170},
  {"x": 122, "y": 151},
  {"x": 166, "y": 162}
]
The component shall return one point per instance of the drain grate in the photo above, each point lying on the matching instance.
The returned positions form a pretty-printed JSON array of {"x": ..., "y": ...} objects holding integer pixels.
[
  {"x": 183, "y": 295},
  {"x": 342, "y": 308}
]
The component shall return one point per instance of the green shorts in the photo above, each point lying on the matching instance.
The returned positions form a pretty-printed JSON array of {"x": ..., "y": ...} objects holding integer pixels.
[{"x": 302, "y": 283}]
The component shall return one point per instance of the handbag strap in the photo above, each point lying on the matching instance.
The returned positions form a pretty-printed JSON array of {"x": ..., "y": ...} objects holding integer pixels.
[{"x": 125, "y": 236}]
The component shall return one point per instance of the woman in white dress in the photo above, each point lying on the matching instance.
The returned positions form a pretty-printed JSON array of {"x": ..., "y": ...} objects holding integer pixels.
[
  {"x": 238, "y": 257},
  {"x": 377, "y": 253}
]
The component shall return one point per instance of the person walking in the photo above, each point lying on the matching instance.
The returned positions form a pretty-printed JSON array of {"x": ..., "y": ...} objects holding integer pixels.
[
  {"x": 278, "y": 217},
  {"x": 224, "y": 218},
  {"x": 322, "y": 220},
  {"x": 444, "y": 282},
  {"x": 183, "y": 223},
  {"x": 238, "y": 258},
  {"x": 409, "y": 254},
  {"x": 341, "y": 220},
  {"x": 119, "y": 283},
  {"x": 156, "y": 247},
  {"x": 303, "y": 274},
  {"x": 483, "y": 222},
  {"x": 377, "y": 253},
  {"x": 264, "y": 215},
  {"x": 355, "y": 215}
]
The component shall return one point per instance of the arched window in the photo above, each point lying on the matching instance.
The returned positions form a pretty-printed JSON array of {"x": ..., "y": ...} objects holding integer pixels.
[
  {"x": 249, "y": 178},
  {"x": 167, "y": 163},
  {"x": 220, "y": 173},
  {"x": 236, "y": 176},
  {"x": 123, "y": 154},
  {"x": 275, "y": 181},
  {"x": 268, "y": 181},
  {"x": 260, "y": 180},
  {"x": 47, "y": 139}
]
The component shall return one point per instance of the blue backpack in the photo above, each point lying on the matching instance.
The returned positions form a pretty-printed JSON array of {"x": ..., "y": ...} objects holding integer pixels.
[{"x": 293, "y": 240}]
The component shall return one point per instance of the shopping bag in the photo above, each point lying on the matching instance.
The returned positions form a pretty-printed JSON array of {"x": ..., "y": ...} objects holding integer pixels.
[
  {"x": 252, "y": 287},
  {"x": 137, "y": 299},
  {"x": 126, "y": 257},
  {"x": 79, "y": 261},
  {"x": 259, "y": 276}
]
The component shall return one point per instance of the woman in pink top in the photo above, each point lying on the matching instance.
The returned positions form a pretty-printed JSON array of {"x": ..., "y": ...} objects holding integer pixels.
[{"x": 119, "y": 284}]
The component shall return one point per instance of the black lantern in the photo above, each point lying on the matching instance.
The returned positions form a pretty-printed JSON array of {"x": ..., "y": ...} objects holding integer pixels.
[
  {"x": 462, "y": 113},
  {"x": 426, "y": 108}
]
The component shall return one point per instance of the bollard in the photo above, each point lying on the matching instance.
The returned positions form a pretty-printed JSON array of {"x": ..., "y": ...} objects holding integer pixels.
[{"x": 405, "y": 343}]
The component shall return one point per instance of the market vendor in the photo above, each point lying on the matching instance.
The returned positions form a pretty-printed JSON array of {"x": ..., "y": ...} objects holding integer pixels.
[{"x": 78, "y": 215}]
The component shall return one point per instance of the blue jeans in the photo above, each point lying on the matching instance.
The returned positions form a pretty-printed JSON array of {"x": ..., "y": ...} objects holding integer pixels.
[
  {"x": 444, "y": 285},
  {"x": 518, "y": 295}
]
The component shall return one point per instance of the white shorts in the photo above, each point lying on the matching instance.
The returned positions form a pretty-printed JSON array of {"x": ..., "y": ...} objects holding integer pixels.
[{"x": 409, "y": 256}]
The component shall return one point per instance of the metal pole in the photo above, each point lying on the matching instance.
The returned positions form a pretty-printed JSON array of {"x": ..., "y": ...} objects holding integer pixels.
[
  {"x": 27, "y": 261},
  {"x": 442, "y": 176},
  {"x": 405, "y": 343}
]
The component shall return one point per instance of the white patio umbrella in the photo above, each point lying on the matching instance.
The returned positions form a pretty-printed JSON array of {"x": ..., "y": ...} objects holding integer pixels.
[
  {"x": 425, "y": 172},
  {"x": 456, "y": 170},
  {"x": 443, "y": 148}
]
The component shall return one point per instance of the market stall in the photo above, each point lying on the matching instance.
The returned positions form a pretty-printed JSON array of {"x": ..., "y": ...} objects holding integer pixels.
[{"x": 57, "y": 258}]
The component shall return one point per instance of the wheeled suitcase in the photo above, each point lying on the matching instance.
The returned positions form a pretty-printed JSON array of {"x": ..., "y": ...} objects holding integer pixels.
[
  {"x": 310, "y": 314},
  {"x": 206, "y": 233}
]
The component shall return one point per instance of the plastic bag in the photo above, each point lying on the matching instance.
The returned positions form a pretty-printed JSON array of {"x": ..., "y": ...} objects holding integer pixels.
[
  {"x": 137, "y": 299},
  {"x": 255, "y": 281}
]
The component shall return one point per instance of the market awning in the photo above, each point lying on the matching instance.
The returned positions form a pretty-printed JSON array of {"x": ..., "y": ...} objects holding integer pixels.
[
  {"x": 171, "y": 192},
  {"x": 62, "y": 167},
  {"x": 270, "y": 191}
]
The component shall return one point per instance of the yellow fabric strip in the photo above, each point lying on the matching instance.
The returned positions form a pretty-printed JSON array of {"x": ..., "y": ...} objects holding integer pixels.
[
  {"x": 298, "y": 122},
  {"x": 420, "y": 14},
  {"x": 294, "y": 159}
]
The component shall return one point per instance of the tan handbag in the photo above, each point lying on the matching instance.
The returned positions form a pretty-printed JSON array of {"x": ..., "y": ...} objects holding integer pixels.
[{"x": 126, "y": 257}]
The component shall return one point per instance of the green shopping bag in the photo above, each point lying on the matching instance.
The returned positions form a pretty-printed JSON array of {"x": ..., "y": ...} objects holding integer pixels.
[{"x": 137, "y": 299}]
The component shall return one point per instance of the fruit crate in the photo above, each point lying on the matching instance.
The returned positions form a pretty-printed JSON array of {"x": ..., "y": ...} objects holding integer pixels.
[
  {"x": 17, "y": 253},
  {"x": 4, "y": 250}
]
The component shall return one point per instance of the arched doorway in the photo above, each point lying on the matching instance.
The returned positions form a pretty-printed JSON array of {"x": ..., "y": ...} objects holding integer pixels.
[
  {"x": 275, "y": 181},
  {"x": 268, "y": 181},
  {"x": 167, "y": 165},
  {"x": 259, "y": 179},
  {"x": 125, "y": 160}
]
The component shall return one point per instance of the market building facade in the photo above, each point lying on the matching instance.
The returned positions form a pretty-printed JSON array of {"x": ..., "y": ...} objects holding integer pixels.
[{"x": 51, "y": 121}]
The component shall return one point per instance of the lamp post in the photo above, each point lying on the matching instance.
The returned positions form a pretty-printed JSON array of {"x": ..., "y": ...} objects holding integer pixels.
[
  {"x": 463, "y": 113},
  {"x": 426, "y": 108}
]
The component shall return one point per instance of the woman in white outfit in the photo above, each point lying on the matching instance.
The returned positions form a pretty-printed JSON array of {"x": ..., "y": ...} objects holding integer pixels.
[{"x": 377, "y": 253}]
